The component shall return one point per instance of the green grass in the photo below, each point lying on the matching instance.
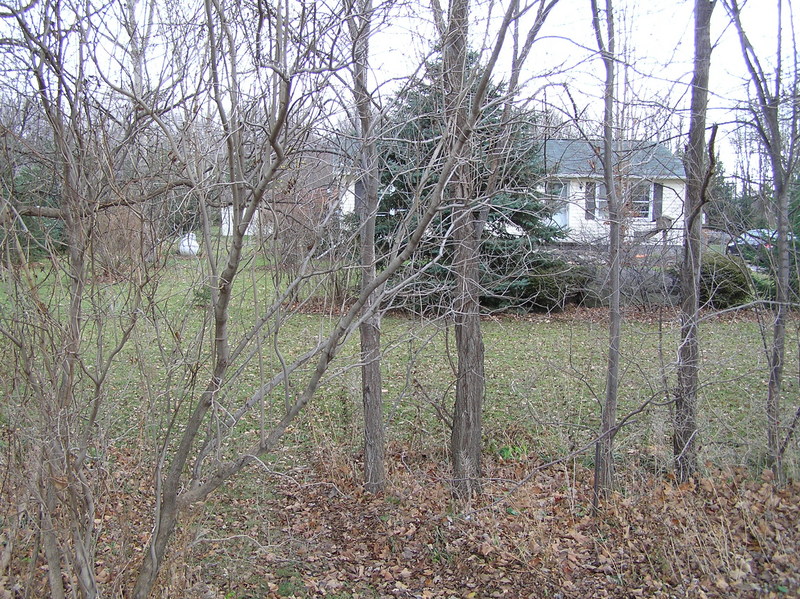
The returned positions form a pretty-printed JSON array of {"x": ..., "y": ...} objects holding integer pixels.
[{"x": 545, "y": 377}]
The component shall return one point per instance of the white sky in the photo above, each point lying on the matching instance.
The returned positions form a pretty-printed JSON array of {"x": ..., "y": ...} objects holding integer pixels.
[{"x": 655, "y": 38}]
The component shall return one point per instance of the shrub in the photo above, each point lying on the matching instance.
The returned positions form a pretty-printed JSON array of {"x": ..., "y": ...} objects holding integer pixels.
[
  {"x": 725, "y": 282},
  {"x": 548, "y": 285},
  {"x": 763, "y": 286},
  {"x": 541, "y": 283}
]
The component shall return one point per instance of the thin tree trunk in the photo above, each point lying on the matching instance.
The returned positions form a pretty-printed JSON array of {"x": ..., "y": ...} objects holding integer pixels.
[
  {"x": 374, "y": 436},
  {"x": 169, "y": 485},
  {"x": 773, "y": 408},
  {"x": 52, "y": 551},
  {"x": 685, "y": 426},
  {"x": 470, "y": 222},
  {"x": 604, "y": 457},
  {"x": 775, "y": 116},
  {"x": 367, "y": 209},
  {"x": 782, "y": 174},
  {"x": 370, "y": 334}
]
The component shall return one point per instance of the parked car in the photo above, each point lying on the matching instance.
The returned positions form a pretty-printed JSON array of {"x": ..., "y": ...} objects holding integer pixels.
[{"x": 753, "y": 240}]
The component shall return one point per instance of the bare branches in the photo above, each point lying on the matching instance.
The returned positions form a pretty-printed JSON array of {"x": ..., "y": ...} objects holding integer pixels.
[{"x": 775, "y": 114}]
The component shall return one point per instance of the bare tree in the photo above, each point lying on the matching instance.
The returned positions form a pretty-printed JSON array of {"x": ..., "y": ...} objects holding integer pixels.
[
  {"x": 469, "y": 220},
  {"x": 465, "y": 442},
  {"x": 774, "y": 114},
  {"x": 360, "y": 22},
  {"x": 193, "y": 462},
  {"x": 66, "y": 347},
  {"x": 698, "y": 176},
  {"x": 604, "y": 458}
]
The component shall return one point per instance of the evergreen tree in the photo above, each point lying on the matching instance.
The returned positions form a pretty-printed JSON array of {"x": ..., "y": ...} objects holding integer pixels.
[{"x": 518, "y": 219}]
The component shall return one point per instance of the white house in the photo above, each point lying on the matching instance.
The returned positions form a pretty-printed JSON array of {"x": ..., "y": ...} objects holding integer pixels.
[{"x": 651, "y": 179}]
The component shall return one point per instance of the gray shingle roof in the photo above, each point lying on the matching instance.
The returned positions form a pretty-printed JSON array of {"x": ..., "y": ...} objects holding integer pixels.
[{"x": 577, "y": 158}]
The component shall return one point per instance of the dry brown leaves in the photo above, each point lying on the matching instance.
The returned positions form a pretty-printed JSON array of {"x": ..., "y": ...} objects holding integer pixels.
[
  {"x": 315, "y": 533},
  {"x": 725, "y": 536}
]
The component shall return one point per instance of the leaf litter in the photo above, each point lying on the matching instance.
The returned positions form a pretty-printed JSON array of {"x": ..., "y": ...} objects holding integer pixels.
[
  {"x": 313, "y": 532},
  {"x": 725, "y": 535}
]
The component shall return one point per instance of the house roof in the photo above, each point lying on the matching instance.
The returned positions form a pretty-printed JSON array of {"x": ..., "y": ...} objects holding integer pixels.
[{"x": 581, "y": 158}]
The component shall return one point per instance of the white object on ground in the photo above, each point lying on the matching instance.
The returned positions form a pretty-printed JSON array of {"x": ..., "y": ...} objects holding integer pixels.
[{"x": 188, "y": 246}]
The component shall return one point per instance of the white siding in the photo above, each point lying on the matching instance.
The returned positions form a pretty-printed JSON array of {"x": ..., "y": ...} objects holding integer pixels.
[
  {"x": 226, "y": 224},
  {"x": 581, "y": 229}
]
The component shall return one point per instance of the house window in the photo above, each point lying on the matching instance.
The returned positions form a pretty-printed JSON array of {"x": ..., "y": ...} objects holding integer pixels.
[
  {"x": 556, "y": 192},
  {"x": 602, "y": 201},
  {"x": 596, "y": 201},
  {"x": 637, "y": 199}
]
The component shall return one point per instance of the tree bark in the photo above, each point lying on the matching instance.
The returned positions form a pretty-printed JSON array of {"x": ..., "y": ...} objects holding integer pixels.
[
  {"x": 367, "y": 210},
  {"x": 370, "y": 335},
  {"x": 685, "y": 425},
  {"x": 470, "y": 384},
  {"x": 604, "y": 457},
  {"x": 465, "y": 440},
  {"x": 773, "y": 407}
]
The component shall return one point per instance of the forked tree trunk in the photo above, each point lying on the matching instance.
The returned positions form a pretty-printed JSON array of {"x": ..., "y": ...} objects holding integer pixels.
[{"x": 465, "y": 440}]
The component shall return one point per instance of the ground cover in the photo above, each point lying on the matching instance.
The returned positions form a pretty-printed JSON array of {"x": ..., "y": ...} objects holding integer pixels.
[
  {"x": 297, "y": 523},
  {"x": 310, "y": 531}
]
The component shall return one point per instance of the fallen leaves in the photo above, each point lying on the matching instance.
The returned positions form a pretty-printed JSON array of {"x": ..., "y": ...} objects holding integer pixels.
[{"x": 727, "y": 535}]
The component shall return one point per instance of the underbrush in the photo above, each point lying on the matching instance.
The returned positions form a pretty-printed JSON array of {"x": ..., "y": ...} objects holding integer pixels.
[
  {"x": 310, "y": 531},
  {"x": 531, "y": 534}
]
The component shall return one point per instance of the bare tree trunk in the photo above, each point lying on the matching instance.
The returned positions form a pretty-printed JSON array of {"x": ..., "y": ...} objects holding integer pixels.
[
  {"x": 374, "y": 435},
  {"x": 465, "y": 440},
  {"x": 70, "y": 512},
  {"x": 697, "y": 176},
  {"x": 775, "y": 116},
  {"x": 370, "y": 335},
  {"x": 52, "y": 551},
  {"x": 773, "y": 408},
  {"x": 169, "y": 484},
  {"x": 367, "y": 210},
  {"x": 604, "y": 457}
]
